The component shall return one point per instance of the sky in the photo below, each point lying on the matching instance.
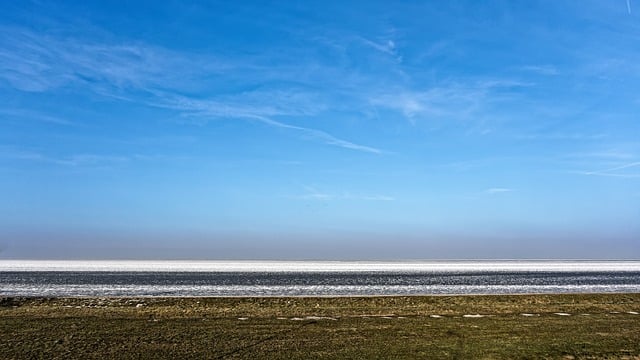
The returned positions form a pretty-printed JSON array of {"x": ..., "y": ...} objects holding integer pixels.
[{"x": 337, "y": 130}]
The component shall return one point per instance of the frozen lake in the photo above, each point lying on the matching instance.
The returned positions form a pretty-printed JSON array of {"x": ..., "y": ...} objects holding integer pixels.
[{"x": 313, "y": 278}]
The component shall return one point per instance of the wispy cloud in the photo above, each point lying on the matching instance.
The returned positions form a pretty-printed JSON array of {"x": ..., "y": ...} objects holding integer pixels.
[
  {"x": 498, "y": 190},
  {"x": 386, "y": 46},
  {"x": 562, "y": 136},
  {"x": 540, "y": 69},
  {"x": 466, "y": 165},
  {"x": 262, "y": 113},
  {"x": 314, "y": 194},
  {"x": 319, "y": 135},
  {"x": 92, "y": 160},
  {"x": 157, "y": 77},
  {"x": 34, "y": 115},
  {"x": 457, "y": 100},
  {"x": 77, "y": 160},
  {"x": 377, "y": 198},
  {"x": 317, "y": 196},
  {"x": 81, "y": 160},
  {"x": 616, "y": 160},
  {"x": 606, "y": 154},
  {"x": 35, "y": 62},
  {"x": 615, "y": 171}
]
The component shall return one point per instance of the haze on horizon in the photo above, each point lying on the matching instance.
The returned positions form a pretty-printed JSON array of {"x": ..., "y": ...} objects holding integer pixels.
[{"x": 319, "y": 130}]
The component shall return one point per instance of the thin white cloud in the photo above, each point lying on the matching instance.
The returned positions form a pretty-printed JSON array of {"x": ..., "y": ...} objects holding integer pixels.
[
  {"x": 315, "y": 194},
  {"x": 76, "y": 160},
  {"x": 261, "y": 113},
  {"x": 92, "y": 160},
  {"x": 387, "y": 46},
  {"x": 151, "y": 75},
  {"x": 625, "y": 166},
  {"x": 431, "y": 103},
  {"x": 318, "y": 134},
  {"x": 614, "y": 171},
  {"x": 378, "y": 198},
  {"x": 81, "y": 159},
  {"x": 20, "y": 154},
  {"x": 562, "y": 136},
  {"x": 457, "y": 100},
  {"x": 548, "y": 70},
  {"x": 34, "y": 62},
  {"x": 623, "y": 152},
  {"x": 498, "y": 190},
  {"x": 629, "y": 6},
  {"x": 595, "y": 173},
  {"x": 34, "y": 115}
]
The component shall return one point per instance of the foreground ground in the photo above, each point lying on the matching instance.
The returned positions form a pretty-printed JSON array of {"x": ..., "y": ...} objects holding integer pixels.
[{"x": 462, "y": 327}]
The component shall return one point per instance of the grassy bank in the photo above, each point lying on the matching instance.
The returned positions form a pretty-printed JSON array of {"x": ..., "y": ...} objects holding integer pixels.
[{"x": 464, "y": 327}]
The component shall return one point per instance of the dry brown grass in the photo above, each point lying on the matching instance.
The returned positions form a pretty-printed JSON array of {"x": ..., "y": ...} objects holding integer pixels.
[{"x": 301, "y": 328}]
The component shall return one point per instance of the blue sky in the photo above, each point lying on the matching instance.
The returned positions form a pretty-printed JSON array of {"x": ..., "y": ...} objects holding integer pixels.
[{"x": 320, "y": 129}]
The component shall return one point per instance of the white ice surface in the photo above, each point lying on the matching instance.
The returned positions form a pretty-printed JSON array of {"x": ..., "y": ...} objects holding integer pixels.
[{"x": 322, "y": 266}]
